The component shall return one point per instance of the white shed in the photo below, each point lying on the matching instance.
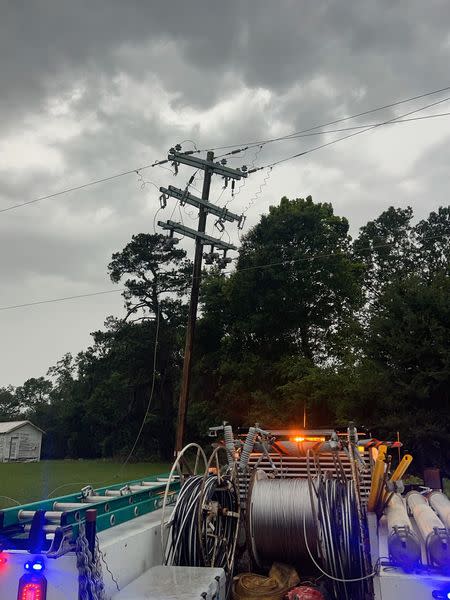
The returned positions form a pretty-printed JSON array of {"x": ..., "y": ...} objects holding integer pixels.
[{"x": 20, "y": 441}]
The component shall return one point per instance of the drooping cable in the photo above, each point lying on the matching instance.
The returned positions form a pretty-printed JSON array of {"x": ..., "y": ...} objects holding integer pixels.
[
  {"x": 346, "y": 137},
  {"x": 335, "y": 121}
]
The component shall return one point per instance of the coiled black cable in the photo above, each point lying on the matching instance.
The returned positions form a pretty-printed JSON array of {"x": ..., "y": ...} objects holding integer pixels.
[{"x": 203, "y": 524}]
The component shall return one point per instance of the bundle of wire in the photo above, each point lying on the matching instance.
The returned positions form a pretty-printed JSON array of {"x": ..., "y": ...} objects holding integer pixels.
[
  {"x": 196, "y": 540},
  {"x": 341, "y": 544},
  {"x": 279, "y": 508}
]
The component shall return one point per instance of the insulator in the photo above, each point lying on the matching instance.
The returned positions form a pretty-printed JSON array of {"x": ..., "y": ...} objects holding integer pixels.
[
  {"x": 229, "y": 443},
  {"x": 163, "y": 201},
  {"x": 219, "y": 225},
  {"x": 248, "y": 447}
]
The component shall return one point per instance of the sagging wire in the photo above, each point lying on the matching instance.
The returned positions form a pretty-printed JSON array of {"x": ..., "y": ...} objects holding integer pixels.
[
  {"x": 191, "y": 142},
  {"x": 346, "y": 137},
  {"x": 257, "y": 195},
  {"x": 144, "y": 182},
  {"x": 334, "y": 122}
]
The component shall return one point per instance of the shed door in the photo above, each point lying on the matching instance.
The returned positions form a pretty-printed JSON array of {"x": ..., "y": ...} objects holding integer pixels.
[{"x": 14, "y": 448}]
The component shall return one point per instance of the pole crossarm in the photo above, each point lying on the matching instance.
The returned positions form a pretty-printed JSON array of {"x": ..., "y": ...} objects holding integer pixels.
[
  {"x": 185, "y": 197},
  {"x": 206, "y": 165},
  {"x": 203, "y": 238}
]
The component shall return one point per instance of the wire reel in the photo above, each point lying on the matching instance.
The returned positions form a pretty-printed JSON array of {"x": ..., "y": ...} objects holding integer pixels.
[
  {"x": 203, "y": 527},
  {"x": 219, "y": 512},
  {"x": 176, "y": 474}
]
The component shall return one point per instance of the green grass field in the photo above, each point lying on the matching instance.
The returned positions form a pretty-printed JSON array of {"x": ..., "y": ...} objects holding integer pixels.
[{"x": 28, "y": 482}]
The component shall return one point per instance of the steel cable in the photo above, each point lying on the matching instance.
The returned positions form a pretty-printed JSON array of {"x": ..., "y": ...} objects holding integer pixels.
[{"x": 276, "y": 513}]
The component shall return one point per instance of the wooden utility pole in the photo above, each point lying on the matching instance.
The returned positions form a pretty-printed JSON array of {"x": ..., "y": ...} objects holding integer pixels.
[
  {"x": 201, "y": 239},
  {"x": 192, "y": 316}
]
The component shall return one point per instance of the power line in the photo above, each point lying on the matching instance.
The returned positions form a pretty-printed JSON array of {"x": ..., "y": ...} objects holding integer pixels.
[
  {"x": 82, "y": 186},
  {"x": 346, "y": 137},
  {"x": 63, "y": 299},
  {"x": 247, "y": 145},
  {"x": 341, "y": 120},
  {"x": 340, "y": 129},
  {"x": 152, "y": 390},
  {"x": 252, "y": 268}
]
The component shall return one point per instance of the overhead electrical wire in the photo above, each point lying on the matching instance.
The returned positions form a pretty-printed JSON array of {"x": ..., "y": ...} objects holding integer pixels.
[
  {"x": 346, "y": 137},
  {"x": 82, "y": 186},
  {"x": 152, "y": 391},
  {"x": 63, "y": 299},
  {"x": 247, "y": 145},
  {"x": 242, "y": 269},
  {"x": 334, "y": 122}
]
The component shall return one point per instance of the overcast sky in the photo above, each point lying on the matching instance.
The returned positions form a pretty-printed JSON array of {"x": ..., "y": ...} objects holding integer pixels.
[{"x": 93, "y": 88}]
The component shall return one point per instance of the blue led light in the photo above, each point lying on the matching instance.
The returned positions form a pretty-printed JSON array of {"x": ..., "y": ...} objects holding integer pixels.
[
  {"x": 448, "y": 595},
  {"x": 35, "y": 565}
]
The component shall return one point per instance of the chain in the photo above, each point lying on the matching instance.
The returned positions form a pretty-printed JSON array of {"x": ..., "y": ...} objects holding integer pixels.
[{"x": 90, "y": 576}]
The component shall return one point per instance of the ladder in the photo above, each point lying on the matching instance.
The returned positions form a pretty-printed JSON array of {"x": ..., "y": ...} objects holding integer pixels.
[{"x": 53, "y": 525}]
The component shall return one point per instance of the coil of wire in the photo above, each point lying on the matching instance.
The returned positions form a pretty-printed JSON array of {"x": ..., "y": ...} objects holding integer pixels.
[
  {"x": 278, "y": 508},
  {"x": 194, "y": 540}
]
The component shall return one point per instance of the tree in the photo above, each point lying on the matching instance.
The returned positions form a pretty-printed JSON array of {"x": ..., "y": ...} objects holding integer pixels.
[
  {"x": 385, "y": 247},
  {"x": 9, "y": 404},
  {"x": 295, "y": 287},
  {"x": 157, "y": 277},
  {"x": 34, "y": 392}
]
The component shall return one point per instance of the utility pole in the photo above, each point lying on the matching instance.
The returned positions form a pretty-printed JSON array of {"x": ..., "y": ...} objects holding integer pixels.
[
  {"x": 201, "y": 239},
  {"x": 192, "y": 316}
]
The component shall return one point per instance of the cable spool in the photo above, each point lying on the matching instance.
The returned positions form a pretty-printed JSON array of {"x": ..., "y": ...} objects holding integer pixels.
[
  {"x": 304, "y": 523},
  {"x": 203, "y": 527},
  {"x": 277, "y": 512}
]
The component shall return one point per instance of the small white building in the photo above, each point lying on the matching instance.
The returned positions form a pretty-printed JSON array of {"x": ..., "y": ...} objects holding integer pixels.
[{"x": 20, "y": 441}]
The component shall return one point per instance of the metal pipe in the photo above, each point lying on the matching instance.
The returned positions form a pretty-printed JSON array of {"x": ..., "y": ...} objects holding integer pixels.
[
  {"x": 68, "y": 506},
  {"x": 45, "y": 528},
  {"x": 441, "y": 505},
  {"x": 403, "y": 543},
  {"x": 94, "y": 498},
  {"x": 50, "y": 515},
  {"x": 431, "y": 528}
]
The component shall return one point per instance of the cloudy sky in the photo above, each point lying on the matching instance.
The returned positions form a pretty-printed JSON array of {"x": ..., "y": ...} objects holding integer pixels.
[{"x": 90, "y": 89}]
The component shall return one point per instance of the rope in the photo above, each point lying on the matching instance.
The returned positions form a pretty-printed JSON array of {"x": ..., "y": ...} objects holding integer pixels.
[{"x": 248, "y": 586}]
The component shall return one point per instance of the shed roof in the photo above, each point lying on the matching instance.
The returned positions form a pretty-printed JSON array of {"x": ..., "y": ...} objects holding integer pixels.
[{"x": 9, "y": 426}]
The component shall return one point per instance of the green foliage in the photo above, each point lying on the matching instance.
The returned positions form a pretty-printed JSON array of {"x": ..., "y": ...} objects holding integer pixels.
[{"x": 311, "y": 321}]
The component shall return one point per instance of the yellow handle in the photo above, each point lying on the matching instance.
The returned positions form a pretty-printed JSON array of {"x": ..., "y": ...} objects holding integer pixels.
[
  {"x": 377, "y": 479},
  {"x": 402, "y": 467}
]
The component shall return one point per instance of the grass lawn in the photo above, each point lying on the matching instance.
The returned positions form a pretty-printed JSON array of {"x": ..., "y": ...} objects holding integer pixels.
[{"x": 28, "y": 482}]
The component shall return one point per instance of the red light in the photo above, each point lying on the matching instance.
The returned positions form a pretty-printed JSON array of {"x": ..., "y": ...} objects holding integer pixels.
[
  {"x": 3, "y": 559},
  {"x": 32, "y": 588}
]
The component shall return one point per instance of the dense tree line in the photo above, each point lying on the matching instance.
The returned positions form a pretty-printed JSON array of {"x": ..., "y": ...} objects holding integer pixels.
[{"x": 309, "y": 319}]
